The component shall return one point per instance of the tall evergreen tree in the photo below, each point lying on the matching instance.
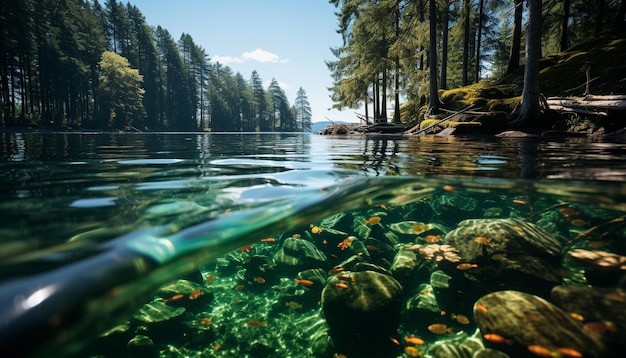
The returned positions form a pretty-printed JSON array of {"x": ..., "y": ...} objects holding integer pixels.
[
  {"x": 259, "y": 103},
  {"x": 530, "y": 109},
  {"x": 178, "y": 108},
  {"x": 303, "y": 111}
]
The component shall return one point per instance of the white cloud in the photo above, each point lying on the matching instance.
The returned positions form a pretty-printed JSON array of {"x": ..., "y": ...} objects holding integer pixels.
[
  {"x": 225, "y": 60},
  {"x": 262, "y": 56}
]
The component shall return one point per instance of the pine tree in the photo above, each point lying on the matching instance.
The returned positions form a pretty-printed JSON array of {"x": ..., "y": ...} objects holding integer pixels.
[{"x": 303, "y": 111}]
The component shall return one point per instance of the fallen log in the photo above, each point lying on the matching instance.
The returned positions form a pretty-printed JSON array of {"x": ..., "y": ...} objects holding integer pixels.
[
  {"x": 598, "y": 105},
  {"x": 419, "y": 131}
]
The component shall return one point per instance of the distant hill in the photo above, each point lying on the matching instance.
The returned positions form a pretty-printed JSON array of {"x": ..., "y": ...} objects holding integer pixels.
[{"x": 318, "y": 126}]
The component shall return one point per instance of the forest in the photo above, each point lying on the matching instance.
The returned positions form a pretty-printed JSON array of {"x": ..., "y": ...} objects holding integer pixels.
[
  {"x": 85, "y": 65},
  {"x": 82, "y": 64},
  {"x": 413, "y": 49}
]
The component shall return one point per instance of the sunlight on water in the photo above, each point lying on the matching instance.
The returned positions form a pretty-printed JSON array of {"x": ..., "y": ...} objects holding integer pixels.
[{"x": 108, "y": 220}]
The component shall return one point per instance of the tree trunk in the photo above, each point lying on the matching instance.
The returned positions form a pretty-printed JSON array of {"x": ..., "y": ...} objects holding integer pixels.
[
  {"x": 530, "y": 109},
  {"x": 396, "y": 84},
  {"x": 432, "y": 58},
  {"x": 619, "y": 20},
  {"x": 383, "y": 102},
  {"x": 466, "y": 30},
  {"x": 564, "y": 22},
  {"x": 444, "y": 46},
  {"x": 516, "y": 41},
  {"x": 599, "y": 17},
  {"x": 478, "y": 40}
]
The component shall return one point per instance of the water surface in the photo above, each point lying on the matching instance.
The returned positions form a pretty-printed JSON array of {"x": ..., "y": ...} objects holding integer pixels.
[{"x": 152, "y": 208}]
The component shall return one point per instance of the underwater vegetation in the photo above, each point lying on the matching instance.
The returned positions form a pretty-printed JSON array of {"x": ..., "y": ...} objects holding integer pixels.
[{"x": 455, "y": 274}]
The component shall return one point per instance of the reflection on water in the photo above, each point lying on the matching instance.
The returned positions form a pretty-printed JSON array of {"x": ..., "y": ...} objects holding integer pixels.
[{"x": 163, "y": 205}]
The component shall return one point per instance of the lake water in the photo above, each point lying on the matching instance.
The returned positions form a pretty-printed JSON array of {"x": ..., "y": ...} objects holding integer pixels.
[{"x": 178, "y": 245}]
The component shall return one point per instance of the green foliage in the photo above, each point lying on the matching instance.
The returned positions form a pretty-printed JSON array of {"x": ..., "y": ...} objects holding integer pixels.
[
  {"x": 50, "y": 75},
  {"x": 119, "y": 91},
  {"x": 372, "y": 44}
]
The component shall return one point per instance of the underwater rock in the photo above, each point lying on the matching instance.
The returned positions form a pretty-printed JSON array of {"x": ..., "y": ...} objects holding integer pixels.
[
  {"x": 450, "y": 207},
  {"x": 604, "y": 269},
  {"x": 299, "y": 254},
  {"x": 158, "y": 311},
  {"x": 142, "y": 346},
  {"x": 602, "y": 311},
  {"x": 362, "y": 310},
  {"x": 187, "y": 294},
  {"x": 406, "y": 267},
  {"x": 517, "y": 323},
  {"x": 448, "y": 350},
  {"x": 490, "y": 353},
  {"x": 340, "y": 222},
  {"x": 505, "y": 254}
]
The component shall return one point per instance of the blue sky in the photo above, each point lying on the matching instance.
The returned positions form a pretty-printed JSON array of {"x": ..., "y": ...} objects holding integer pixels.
[{"x": 288, "y": 40}]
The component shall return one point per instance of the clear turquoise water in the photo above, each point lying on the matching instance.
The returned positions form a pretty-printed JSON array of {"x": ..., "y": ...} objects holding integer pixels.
[{"x": 142, "y": 210}]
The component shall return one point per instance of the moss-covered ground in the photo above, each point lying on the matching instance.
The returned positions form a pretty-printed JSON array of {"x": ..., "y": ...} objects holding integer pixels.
[{"x": 601, "y": 60}]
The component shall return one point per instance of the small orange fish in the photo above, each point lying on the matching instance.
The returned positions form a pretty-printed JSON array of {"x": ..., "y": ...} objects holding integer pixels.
[
  {"x": 599, "y": 327},
  {"x": 412, "y": 351},
  {"x": 372, "y": 248},
  {"x": 570, "y": 352},
  {"x": 303, "y": 282},
  {"x": 269, "y": 240},
  {"x": 420, "y": 227},
  {"x": 579, "y": 222},
  {"x": 293, "y": 305},
  {"x": 540, "y": 351},
  {"x": 597, "y": 244},
  {"x": 466, "y": 266},
  {"x": 372, "y": 221},
  {"x": 246, "y": 248},
  {"x": 346, "y": 243},
  {"x": 481, "y": 308},
  {"x": 195, "y": 294},
  {"x": 496, "y": 338},
  {"x": 614, "y": 296},
  {"x": 255, "y": 323},
  {"x": 519, "y": 201},
  {"x": 217, "y": 346},
  {"x": 239, "y": 287},
  {"x": 339, "y": 355},
  {"x": 577, "y": 316},
  {"x": 448, "y": 188},
  {"x": 413, "y": 247},
  {"x": 336, "y": 270},
  {"x": 383, "y": 206},
  {"x": 210, "y": 278},
  {"x": 259, "y": 279},
  {"x": 346, "y": 277},
  {"x": 296, "y": 236},
  {"x": 439, "y": 328},
  {"x": 174, "y": 298},
  {"x": 482, "y": 240},
  {"x": 341, "y": 285},
  {"x": 432, "y": 238},
  {"x": 568, "y": 212},
  {"x": 205, "y": 321},
  {"x": 460, "y": 318},
  {"x": 394, "y": 340},
  {"x": 414, "y": 340}
]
